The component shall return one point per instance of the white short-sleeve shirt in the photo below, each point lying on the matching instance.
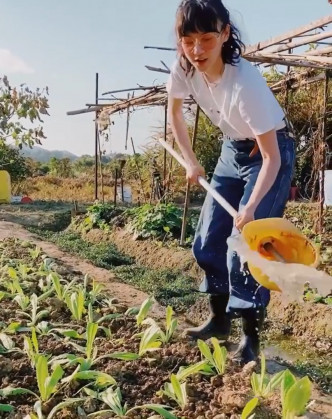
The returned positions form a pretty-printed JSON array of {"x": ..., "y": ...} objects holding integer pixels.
[{"x": 241, "y": 104}]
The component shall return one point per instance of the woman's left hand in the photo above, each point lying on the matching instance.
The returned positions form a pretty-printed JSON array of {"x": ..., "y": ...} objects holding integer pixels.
[{"x": 244, "y": 216}]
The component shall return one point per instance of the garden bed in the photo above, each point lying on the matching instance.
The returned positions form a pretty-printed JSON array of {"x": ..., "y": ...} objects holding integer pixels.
[{"x": 39, "y": 328}]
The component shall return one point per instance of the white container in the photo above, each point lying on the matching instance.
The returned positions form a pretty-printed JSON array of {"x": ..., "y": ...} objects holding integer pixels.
[
  {"x": 127, "y": 195},
  {"x": 328, "y": 187}
]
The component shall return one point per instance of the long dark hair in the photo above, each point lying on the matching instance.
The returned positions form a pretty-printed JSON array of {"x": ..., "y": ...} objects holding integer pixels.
[{"x": 207, "y": 16}]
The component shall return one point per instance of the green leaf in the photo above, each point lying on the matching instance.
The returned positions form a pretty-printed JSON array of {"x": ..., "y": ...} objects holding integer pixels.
[
  {"x": 6, "y": 408},
  {"x": 179, "y": 391},
  {"x": 263, "y": 370},
  {"x": 275, "y": 381},
  {"x": 71, "y": 334},
  {"x": 64, "y": 404},
  {"x": 185, "y": 372},
  {"x": 7, "y": 342},
  {"x": 255, "y": 384},
  {"x": 297, "y": 397},
  {"x": 205, "y": 351},
  {"x": 124, "y": 356},
  {"x": 42, "y": 375},
  {"x": 287, "y": 382},
  {"x": 144, "y": 309},
  {"x": 91, "y": 332},
  {"x": 249, "y": 408},
  {"x": 101, "y": 378},
  {"x": 54, "y": 379},
  {"x": 219, "y": 356},
  {"x": 12, "y": 391}
]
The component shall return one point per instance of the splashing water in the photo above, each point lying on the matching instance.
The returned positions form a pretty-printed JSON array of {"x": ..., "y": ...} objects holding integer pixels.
[{"x": 290, "y": 277}]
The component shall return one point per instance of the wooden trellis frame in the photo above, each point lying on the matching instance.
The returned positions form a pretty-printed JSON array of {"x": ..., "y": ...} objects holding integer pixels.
[{"x": 281, "y": 50}]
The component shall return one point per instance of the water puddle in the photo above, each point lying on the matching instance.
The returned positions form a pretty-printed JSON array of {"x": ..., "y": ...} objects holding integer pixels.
[{"x": 290, "y": 277}]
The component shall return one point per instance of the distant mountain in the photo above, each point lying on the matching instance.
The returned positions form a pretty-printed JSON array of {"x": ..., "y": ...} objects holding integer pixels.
[{"x": 43, "y": 156}]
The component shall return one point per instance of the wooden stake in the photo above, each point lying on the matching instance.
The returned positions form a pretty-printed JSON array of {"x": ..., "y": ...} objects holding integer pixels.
[
  {"x": 165, "y": 151},
  {"x": 187, "y": 197},
  {"x": 127, "y": 125},
  {"x": 115, "y": 186},
  {"x": 323, "y": 156},
  {"x": 96, "y": 141}
]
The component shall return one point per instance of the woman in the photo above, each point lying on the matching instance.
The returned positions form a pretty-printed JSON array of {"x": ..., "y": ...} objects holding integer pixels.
[{"x": 254, "y": 170}]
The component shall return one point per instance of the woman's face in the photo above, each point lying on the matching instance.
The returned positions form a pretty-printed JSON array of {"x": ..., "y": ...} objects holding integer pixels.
[{"x": 203, "y": 49}]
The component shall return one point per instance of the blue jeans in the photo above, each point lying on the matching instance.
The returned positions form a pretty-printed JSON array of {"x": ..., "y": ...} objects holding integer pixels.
[{"x": 234, "y": 178}]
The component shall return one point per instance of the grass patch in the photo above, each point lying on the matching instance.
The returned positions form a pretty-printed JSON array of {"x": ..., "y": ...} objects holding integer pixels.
[
  {"x": 103, "y": 255},
  {"x": 169, "y": 287}
]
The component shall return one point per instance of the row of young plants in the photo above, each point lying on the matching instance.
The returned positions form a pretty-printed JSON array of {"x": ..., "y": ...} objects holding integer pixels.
[
  {"x": 161, "y": 221},
  {"x": 34, "y": 294}
]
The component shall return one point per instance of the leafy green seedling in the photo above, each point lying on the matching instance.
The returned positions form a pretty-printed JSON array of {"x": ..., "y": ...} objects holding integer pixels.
[
  {"x": 47, "y": 384},
  {"x": 113, "y": 398},
  {"x": 295, "y": 395},
  {"x": 31, "y": 347},
  {"x": 217, "y": 359},
  {"x": 22, "y": 300},
  {"x": 200, "y": 367},
  {"x": 261, "y": 384},
  {"x": 150, "y": 340},
  {"x": 176, "y": 391},
  {"x": 35, "y": 253},
  {"x": 35, "y": 315},
  {"x": 7, "y": 344},
  {"x": 75, "y": 302},
  {"x": 144, "y": 309},
  {"x": 171, "y": 325}
]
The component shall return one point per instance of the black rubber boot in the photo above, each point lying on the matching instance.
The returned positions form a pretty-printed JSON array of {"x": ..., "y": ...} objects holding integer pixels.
[
  {"x": 219, "y": 322},
  {"x": 252, "y": 323}
]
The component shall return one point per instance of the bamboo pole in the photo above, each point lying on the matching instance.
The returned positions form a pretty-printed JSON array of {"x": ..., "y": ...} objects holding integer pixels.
[
  {"x": 323, "y": 155},
  {"x": 115, "y": 186},
  {"x": 187, "y": 197},
  {"x": 291, "y": 77},
  {"x": 96, "y": 141},
  {"x": 282, "y": 61},
  {"x": 131, "y": 89},
  {"x": 309, "y": 39},
  {"x": 127, "y": 124},
  {"x": 315, "y": 59},
  {"x": 290, "y": 34},
  {"x": 165, "y": 151},
  {"x": 101, "y": 172},
  {"x": 299, "y": 83}
]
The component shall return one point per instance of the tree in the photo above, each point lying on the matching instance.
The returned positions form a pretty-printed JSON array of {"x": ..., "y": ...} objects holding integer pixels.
[
  {"x": 60, "y": 167},
  {"x": 21, "y": 104},
  {"x": 15, "y": 164}
]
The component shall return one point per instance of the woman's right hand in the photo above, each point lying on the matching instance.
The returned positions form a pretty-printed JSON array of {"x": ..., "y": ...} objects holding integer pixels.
[{"x": 193, "y": 171}]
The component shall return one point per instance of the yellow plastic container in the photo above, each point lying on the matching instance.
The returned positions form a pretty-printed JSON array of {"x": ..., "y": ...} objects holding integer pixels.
[
  {"x": 5, "y": 188},
  {"x": 286, "y": 239}
]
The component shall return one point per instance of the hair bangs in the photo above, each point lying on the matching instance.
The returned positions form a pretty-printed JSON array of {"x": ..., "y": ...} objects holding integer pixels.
[{"x": 197, "y": 19}]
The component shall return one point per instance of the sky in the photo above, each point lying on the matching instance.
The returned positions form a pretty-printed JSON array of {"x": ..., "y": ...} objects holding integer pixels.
[{"x": 63, "y": 44}]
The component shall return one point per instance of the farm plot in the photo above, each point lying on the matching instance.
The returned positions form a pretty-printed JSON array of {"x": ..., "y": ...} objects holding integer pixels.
[{"x": 68, "y": 349}]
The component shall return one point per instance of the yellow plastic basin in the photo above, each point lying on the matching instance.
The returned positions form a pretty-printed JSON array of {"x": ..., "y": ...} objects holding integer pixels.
[{"x": 286, "y": 239}]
